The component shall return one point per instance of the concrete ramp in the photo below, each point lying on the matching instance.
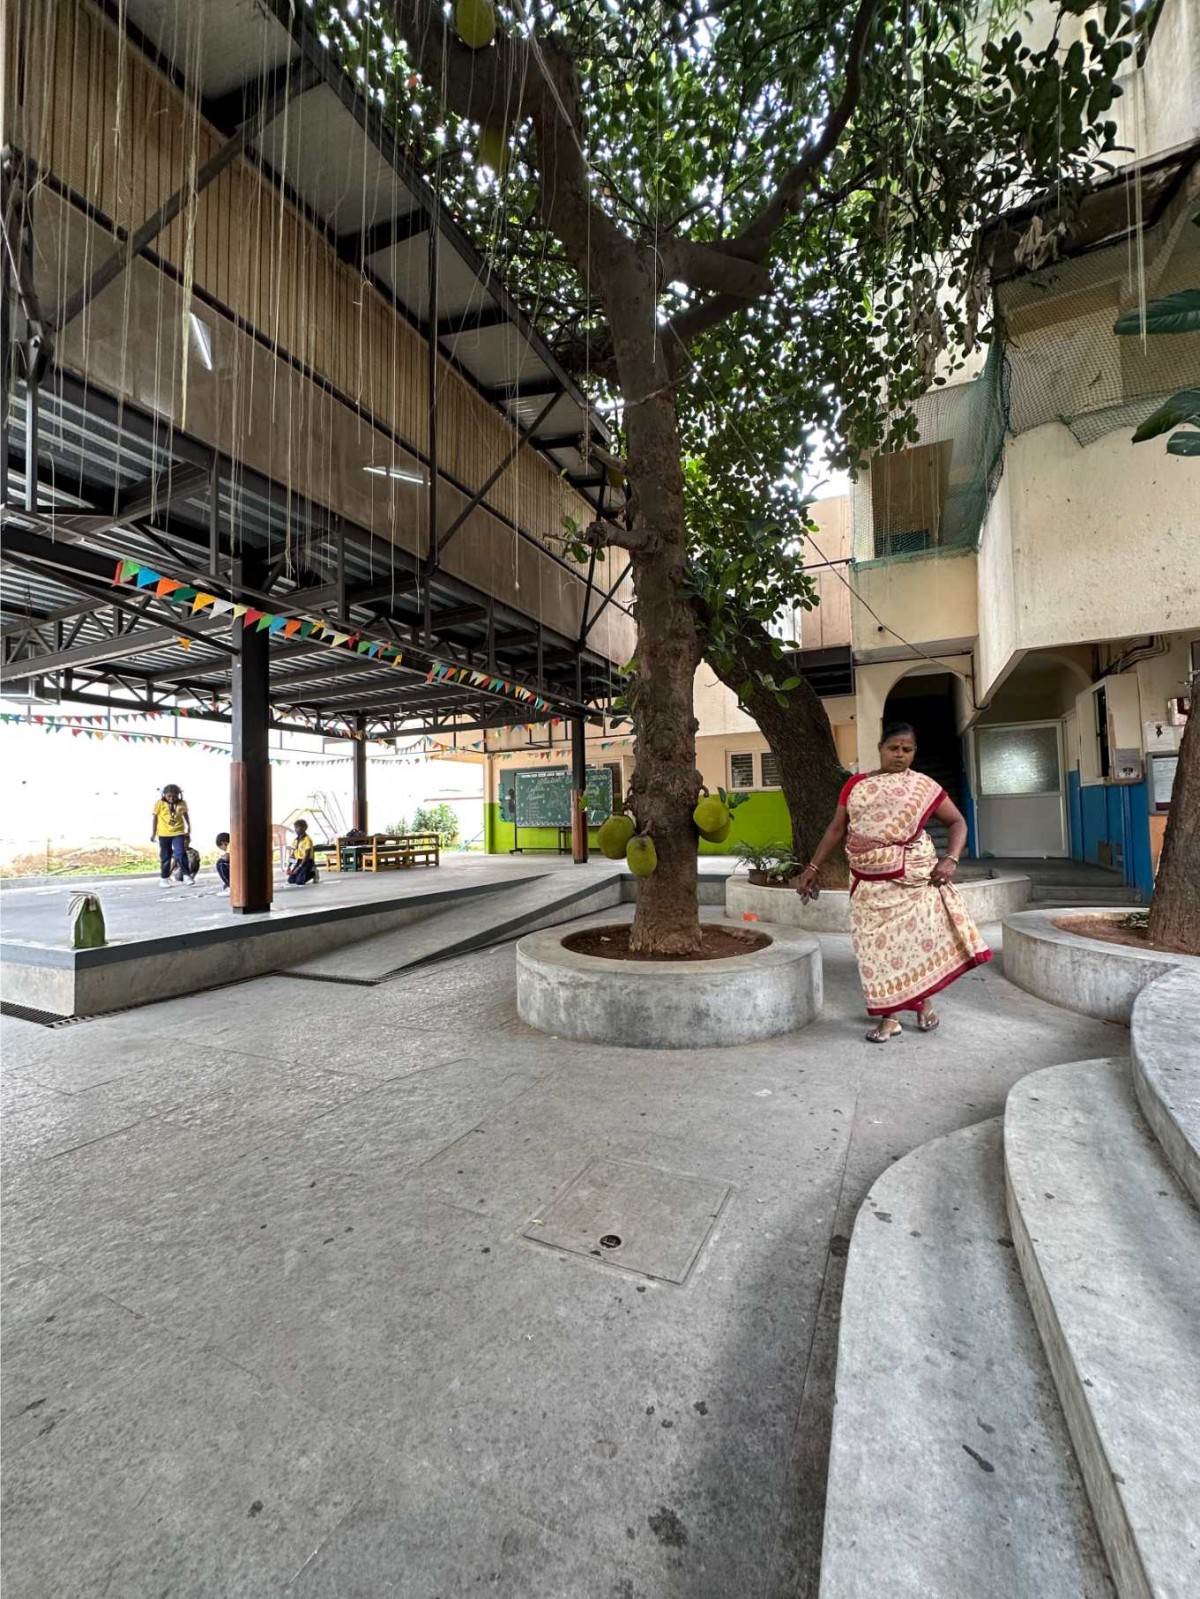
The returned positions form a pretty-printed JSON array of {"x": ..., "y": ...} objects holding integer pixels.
[{"x": 488, "y": 919}]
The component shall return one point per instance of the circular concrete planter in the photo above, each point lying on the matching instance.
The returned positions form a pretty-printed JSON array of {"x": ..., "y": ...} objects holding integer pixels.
[
  {"x": 989, "y": 899},
  {"x": 1082, "y": 974},
  {"x": 667, "y": 1004}
]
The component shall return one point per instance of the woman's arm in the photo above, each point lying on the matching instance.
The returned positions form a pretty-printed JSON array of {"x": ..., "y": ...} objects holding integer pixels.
[
  {"x": 945, "y": 869},
  {"x": 830, "y": 839}
]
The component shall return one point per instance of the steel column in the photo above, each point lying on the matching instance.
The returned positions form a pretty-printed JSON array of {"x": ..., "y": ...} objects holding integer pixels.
[
  {"x": 250, "y": 775},
  {"x": 358, "y": 809},
  {"x": 579, "y": 827}
]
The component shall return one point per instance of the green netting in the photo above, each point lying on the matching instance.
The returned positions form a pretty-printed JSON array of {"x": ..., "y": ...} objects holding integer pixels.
[
  {"x": 933, "y": 498},
  {"x": 1065, "y": 362},
  {"x": 1057, "y": 359}
]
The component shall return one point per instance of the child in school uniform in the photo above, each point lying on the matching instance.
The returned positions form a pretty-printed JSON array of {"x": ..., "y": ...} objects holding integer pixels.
[
  {"x": 223, "y": 860},
  {"x": 171, "y": 827},
  {"x": 303, "y": 868}
]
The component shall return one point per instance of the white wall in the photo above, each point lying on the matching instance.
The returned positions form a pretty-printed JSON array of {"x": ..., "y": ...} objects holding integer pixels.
[{"x": 1086, "y": 544}]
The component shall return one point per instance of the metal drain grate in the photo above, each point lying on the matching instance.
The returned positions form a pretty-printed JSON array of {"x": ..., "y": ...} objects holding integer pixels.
[
  {"x": 319, "y": 977},
  {"x": 44, "y": 1018}
]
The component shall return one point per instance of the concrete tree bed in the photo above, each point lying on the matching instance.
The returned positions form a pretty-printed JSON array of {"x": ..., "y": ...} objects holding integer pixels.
[
  {"x": 1089, "y": 975},
  {"x": 989, "y": 899},
  {"x": 668, "y": 1004}
]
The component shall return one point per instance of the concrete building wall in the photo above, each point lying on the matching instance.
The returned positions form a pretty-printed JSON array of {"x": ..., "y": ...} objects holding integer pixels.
[
  {"x": 929, "y": 599},
  {"x": 1083, "y": 545}
]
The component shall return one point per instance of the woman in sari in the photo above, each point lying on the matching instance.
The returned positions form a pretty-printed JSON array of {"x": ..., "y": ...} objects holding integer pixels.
[{"x": 912, "y": 933}]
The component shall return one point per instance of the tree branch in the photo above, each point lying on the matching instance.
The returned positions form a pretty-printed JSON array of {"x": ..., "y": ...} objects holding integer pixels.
[
  {"x": 755, "y": 239},
  {"x": 713, "y": 266}
]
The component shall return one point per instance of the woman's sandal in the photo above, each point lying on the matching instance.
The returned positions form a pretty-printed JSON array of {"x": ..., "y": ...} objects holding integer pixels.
[
  {"x": 877, "y": 1034},
  {"x": 928, "y": 1021}
]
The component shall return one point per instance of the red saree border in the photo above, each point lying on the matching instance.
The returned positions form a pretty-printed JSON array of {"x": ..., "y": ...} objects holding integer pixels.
[{"x": 918, "y": 1000}]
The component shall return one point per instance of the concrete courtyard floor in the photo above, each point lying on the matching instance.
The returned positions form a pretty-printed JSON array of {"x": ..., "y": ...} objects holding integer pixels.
[{"x": 271, "y": 1326}]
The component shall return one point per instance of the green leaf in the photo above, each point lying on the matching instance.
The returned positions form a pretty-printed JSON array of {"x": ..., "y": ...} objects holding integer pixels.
[
  {"x": 1178, "y": 313},
  {"x": 1181, "y": 407},
  {"x": 1184, "y": 444},
  {"x": 789, "y": 683}
]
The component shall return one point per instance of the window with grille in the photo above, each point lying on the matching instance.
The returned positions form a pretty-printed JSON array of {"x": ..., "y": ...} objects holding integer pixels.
[
  {"x": 770, "y": 770},
  {"x": 741, "y": 771}
]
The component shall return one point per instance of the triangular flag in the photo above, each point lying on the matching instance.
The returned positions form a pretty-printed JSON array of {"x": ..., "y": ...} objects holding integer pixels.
[
  {"x": 222, "y": 607},
  {"x": 202, "y": 601},
  {"x": 278, "y": 623},
  {"x": 339, "y": 638},
  {"x": 183, "y": 596},
  {"x": 265, "y": 621},
  {"x": 307, "y": 629},
  {"x": 165, "y": 586},
  {"x": 251, "y": 615},
  {"x": 291, "y": 627},
  {"x": 127, "y": 571},
  {"x": 239, "y": 611},
  {"x": 146, "y": 578}
]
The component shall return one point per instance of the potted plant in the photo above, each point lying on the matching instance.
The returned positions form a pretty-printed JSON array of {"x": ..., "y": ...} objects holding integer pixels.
[{"x": 769, "y": 865}]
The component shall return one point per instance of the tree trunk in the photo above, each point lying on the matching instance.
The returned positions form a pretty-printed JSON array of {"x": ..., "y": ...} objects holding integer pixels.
[
  {"x": 663, "y": 788},
  {"x": 1175, "y": 907},
  {"x": 801, "y": 740}
]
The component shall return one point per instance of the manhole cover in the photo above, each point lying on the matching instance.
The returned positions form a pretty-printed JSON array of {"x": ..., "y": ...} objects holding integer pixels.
[{"x": 637, "y": 1217}]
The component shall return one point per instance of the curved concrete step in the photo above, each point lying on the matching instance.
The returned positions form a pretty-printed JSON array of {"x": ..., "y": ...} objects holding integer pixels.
[
  {"x": 951, "y": 1473},
  {"x": 1109, "y": 1246},
  {"x": 1165, "y": 1029}
]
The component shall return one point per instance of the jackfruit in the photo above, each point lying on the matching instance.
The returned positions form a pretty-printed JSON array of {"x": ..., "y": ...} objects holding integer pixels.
[
  {"x": 711, "y": 817},
  {"x": 614, "y": 835},
  {"x": 642, "y": 856},
  {"x": 475, "y": 22},
  {"x": 492, "y": 150},
  {"x": 720, "y": 836}
]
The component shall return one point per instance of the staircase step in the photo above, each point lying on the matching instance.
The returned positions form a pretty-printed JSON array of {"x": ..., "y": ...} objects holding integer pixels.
[
  {"x": 951, "y": 1474},
  {"x": 1109, "y": 1247},
  {"x": 1104, "y": 894},
  {"x": 1164, "y": 1028},
  {"x": 556, "y": 897}
]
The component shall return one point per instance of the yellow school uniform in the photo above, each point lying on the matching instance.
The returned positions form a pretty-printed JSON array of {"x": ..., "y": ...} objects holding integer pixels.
[
  {"x": 170, "y": 825},
  {"x": 302, "y": 849}
]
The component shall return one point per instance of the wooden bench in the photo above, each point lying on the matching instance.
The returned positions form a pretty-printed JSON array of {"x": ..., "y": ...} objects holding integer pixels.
[
  {"x": 387, "y": 852},
  {"x": 343, "y": 855}
]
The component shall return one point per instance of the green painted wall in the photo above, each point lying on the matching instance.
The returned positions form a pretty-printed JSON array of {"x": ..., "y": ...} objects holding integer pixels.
[
  {"x": 498, "y": 834},
  {"x": 760, "y": 819}
]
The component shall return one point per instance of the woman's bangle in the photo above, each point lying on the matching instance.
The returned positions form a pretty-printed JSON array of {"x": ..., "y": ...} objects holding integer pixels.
[{"x": 812, "y": 867}]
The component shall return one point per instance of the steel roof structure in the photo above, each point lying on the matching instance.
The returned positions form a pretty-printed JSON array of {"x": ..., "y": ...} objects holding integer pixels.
[{"x": 87, "y": 481}]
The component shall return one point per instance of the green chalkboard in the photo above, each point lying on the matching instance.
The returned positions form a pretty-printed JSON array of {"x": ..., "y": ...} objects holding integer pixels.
[{"x": 541, "y": 796}]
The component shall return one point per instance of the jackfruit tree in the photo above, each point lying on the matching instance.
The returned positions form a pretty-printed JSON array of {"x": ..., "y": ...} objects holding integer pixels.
[{"x": 750, "y": 228}]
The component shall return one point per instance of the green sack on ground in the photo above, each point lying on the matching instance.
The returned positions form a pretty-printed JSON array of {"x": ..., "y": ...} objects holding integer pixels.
[{"x": 87, "y": 922}]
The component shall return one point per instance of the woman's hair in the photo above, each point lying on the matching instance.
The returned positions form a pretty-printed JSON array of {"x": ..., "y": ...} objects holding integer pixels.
[{"x": 898, "y": 730}]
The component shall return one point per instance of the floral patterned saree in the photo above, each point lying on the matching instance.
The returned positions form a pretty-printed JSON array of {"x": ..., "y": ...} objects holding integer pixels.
[{"x": 911, "y": 937}]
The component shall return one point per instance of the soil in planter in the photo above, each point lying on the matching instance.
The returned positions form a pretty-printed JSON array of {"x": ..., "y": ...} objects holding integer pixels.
[
  {"x": 1107, "y": 930},
  {"x": 716, "y": 944}
]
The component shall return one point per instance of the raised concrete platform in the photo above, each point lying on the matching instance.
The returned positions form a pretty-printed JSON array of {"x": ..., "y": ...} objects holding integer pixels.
[
  {"x": 989, "y": 899},
  {"x": 351, "y": 927},
  {"x": 951, "y": 1474},
  {"x": 135, "y": 971},
  {"x": 668, "y": 1004},
  {"x": 1109, "y": 1248},
  {"x": 1165, "y": 1032},
  {"x": 1082, "y": 974}
]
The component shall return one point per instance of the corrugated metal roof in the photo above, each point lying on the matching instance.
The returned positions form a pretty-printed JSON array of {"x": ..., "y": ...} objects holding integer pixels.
[{"x": 332, "y": 149}]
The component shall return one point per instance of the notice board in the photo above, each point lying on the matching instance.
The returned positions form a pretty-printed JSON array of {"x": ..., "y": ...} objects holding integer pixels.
[{"x": 541, "y": 796}]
